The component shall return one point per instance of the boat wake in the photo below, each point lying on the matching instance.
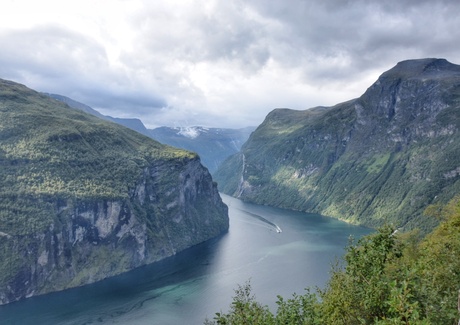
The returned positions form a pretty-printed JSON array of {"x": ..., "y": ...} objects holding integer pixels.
[{"x": 272, "y": 226}]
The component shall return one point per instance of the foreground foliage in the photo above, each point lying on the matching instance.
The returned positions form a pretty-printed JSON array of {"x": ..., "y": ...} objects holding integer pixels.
[{"x": 387, "y": 278}]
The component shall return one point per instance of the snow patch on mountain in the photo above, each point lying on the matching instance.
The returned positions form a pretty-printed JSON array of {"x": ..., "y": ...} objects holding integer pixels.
[{"x": 191, "y": 132}]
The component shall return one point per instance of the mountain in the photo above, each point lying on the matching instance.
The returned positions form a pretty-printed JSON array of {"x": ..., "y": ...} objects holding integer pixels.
[
  {"x": 82, "y": 199},
  {"x": 132, "y": 123},
  {"x": 213, "y": 145},
  {"x": 77, "y": 105},
  {"x": 380, "y": 158}
]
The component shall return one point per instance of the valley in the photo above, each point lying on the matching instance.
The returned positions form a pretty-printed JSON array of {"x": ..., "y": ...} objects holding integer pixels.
[{"x": 85, "y": 199}]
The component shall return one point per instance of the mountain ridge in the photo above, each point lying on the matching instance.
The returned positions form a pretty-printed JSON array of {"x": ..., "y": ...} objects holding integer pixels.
[
  {"x": 131, "y": 123},
  {"x": 82, "y": 199},
  {"x": 213, "y": 145},
  {"x": 382, "y": 157}
]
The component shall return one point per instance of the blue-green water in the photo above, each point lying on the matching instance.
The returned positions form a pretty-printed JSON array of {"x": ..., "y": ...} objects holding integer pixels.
[{"x": 194, "y": 284}]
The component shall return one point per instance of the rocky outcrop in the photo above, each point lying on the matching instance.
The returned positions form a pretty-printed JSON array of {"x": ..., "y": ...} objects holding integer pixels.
[
  {"x": 381, "y": 158},
  {"x": 170, "y": 209}
]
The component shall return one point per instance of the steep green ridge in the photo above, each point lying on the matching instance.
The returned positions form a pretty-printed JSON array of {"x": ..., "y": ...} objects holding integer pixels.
[
  {"x": 82, "y": 199},
  {"x": 376, "y": 159}
]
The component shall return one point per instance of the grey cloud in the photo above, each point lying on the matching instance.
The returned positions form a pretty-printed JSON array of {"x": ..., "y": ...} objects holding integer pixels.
[
  {"x": 199, "y": 60},
  {"x": 232, "y": 35},
  {"x": 49, "y": 51},
  {"x": 227, "y": 33},
  {"x": 122, "y": 102},
  {"x": 54, "y": 59},
  {"x": 326, "y": 41},
  {"x": 364, "y": 34}
]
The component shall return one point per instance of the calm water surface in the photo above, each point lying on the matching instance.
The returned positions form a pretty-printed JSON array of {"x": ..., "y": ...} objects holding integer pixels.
[{"x": 193, "y": 285}]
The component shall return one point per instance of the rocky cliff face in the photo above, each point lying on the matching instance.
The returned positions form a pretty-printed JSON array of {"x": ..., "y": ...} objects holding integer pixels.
[
  {"x": 78, "y": 206},
  {"x": 94, "y": 239},
  {"x": 380, "y": 158}
]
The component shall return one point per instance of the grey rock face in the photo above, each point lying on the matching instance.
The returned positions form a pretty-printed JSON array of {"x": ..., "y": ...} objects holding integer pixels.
[
  {"x": 82, "y": 199},
  {"x": 381, "y": 158},
  {"x": 171, "y": 208}
]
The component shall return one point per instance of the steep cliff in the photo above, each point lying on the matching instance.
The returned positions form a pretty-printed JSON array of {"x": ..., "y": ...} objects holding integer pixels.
[
  {"x": 83, "y": 199},
  {"x": 380, "y": 158}
]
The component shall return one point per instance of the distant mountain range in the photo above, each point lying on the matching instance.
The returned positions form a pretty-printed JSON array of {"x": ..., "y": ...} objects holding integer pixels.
[
  {"x": 213, "y": 145},
  {"x": 132, "y": 123},
  {"x": 380, "y": 158}
]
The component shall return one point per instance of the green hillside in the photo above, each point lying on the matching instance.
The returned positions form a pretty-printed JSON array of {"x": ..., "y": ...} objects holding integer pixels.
[
  {"x": 50, "y": 151},
  {"x": 82, "y": 199},
  {"x": 381, "y": 158}
]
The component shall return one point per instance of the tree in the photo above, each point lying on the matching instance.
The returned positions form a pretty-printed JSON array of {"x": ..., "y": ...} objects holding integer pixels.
[
  {"x": 245, "y": 310},
  {"x": 386, "y": 278}
]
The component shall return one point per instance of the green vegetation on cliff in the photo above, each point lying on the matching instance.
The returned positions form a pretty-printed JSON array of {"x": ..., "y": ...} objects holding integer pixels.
[
  {"x": 385, "y": 278},
  {"x": 381, "y": 158},
  {"x": 50, "y": 151},
  {"x": 82, "y": 199}
]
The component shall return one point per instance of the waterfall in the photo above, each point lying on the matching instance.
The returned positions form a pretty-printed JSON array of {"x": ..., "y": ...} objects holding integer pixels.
[{"x": 240, "y": 188}]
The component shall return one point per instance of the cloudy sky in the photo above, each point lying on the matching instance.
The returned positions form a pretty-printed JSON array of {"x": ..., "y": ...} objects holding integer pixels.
[{"x": 218, "y": 63}]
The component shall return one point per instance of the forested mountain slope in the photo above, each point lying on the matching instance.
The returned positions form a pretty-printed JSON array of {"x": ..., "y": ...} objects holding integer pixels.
[
  {"x": 131, "y": 123},
  {"x": 380, "y": 158},
  {"x": 82, "y": 199}
]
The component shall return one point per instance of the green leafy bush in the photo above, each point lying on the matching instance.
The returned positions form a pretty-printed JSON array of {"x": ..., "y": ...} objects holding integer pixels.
[{"x": 386, "y": 278}]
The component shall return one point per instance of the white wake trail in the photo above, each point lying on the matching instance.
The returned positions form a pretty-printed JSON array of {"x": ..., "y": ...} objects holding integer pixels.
[{"x": 272, "y": 226}]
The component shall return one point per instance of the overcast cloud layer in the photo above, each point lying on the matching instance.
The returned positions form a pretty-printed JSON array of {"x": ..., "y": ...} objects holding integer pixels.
[{"x": 218, "y": 63}]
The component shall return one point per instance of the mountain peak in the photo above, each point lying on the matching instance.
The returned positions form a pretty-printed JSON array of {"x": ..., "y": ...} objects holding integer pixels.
[
  {"x": 425, "y": 79},
  {"x": 422, "y": 68},
  {"x": 191, "y": 132},
  {"x": 379, "y": 159}
]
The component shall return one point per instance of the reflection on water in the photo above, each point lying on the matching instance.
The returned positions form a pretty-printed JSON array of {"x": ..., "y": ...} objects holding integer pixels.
[{"x": 194, "y": 284}]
